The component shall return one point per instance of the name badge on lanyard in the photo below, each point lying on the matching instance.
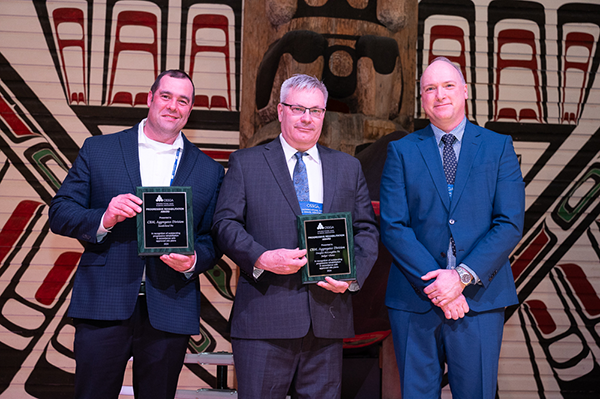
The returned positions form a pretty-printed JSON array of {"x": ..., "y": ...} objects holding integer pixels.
[{"x": 311, "y": 208}]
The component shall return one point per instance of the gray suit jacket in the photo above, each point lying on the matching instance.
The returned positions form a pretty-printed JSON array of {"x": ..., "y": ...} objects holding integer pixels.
[{"x": 256, "y": 211}]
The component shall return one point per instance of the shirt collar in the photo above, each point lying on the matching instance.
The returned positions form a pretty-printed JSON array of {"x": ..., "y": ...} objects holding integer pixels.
[
  {"x": 145, "y": 142},
  {"x": 458, "y": 131},
  {"x": 289, "y": 151}
]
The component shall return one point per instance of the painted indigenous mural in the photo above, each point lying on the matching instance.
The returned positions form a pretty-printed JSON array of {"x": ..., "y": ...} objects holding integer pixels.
[
  {"x": 70, "y": 69},
  {"x": 532, "y": 71}
]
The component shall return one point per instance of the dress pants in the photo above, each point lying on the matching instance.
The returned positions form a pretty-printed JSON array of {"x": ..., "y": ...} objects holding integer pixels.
[
  {"x": 424, "y": 342},
  {"x": 102, "y": 349},
  {"x": 306, "y": 368}
]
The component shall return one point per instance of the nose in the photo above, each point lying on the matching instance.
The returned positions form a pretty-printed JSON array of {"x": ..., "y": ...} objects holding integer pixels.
[
  {"x": 172, "y": 103},
  {"x": 440, "y": 93}
]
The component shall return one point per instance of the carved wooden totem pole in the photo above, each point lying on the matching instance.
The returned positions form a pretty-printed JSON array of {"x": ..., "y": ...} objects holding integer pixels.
[{"x": 363, "y": 50}]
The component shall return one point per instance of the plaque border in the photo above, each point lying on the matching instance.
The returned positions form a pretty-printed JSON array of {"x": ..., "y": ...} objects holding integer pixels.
[
  {"x": 141, "y": 236},
  {"x": 306, "y": 278}
]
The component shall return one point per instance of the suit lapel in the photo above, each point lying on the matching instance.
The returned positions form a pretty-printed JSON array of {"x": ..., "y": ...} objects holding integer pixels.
[
  {"x": 468, "y": 150},
  {"x": 188, "y": 160},
  {"x": 431, "y": 155},
  {"x": 329, "y": 171},
  {"x": 131, "y": 155},
  {"x": 275, "y": 159}
]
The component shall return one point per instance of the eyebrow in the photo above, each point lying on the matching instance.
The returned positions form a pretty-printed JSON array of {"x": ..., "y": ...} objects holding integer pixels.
[
  {"x": 444, "y": 82},
  {"x": 304, "y": 106}
]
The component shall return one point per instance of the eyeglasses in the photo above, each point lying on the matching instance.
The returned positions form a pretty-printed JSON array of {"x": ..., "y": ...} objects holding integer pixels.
[{"x": 300, "y": 110}]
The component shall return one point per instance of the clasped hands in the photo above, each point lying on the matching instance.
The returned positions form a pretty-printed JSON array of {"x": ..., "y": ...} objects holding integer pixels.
[
  {"x": 289, "y": 261},
  {"x": 126, "y": 206},
  {"x": 446, "y": 292}
]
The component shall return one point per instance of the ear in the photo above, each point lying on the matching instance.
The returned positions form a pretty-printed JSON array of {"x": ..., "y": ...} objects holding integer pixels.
[
  {"x": 149, "y": 98},
  {"x": 279, "y": 111},
  {"x": 466, "y": 92}
]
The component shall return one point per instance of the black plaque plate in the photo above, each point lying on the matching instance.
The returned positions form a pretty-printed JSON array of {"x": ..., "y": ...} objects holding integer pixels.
[
  {"x": 165, "y": 224},
  {"x": 329, "y": 241}
]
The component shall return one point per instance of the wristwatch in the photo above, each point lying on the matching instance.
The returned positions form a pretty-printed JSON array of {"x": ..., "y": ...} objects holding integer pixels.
[{"x": 465, "y": 276}]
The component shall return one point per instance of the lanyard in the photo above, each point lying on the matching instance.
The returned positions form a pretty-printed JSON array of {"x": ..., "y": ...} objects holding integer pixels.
[{"x": 175, "y": 166}]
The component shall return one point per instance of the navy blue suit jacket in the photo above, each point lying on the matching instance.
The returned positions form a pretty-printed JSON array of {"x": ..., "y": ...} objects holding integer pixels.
[
  {"x": 109, "y": 274},
  {"x": 485, "y": 216},
  {"x": 257, "y": 211}
]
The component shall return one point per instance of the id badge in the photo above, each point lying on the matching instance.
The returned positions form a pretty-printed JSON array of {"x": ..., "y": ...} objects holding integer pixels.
[
  {"x": 450, "y": 190},
  {"x": 311, "y": 208}
]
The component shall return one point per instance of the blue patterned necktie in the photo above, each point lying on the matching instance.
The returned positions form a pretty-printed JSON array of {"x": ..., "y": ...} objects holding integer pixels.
[
  {"x": 301, "y": 178},
  {"x": 449, "y": 160}
]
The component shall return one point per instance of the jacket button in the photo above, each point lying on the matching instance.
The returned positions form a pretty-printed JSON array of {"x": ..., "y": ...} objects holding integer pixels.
[
  {"x": 443, "y": 254},
  {"x": 451, "y": 221}
]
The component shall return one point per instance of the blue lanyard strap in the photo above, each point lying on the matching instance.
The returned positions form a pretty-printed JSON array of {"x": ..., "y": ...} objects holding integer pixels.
[{"x": 175, "y": 166}]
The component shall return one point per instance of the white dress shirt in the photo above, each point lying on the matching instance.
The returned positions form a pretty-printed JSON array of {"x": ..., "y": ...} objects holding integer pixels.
[{"x": 314, "y": 170}]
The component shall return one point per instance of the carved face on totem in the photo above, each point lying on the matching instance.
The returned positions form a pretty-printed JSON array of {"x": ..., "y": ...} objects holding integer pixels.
[{"x": 353, "y": 46}]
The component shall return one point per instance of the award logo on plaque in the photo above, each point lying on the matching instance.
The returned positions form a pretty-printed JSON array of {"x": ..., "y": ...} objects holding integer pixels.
[
  {"x": 165, "y": 224},
  {"x": 329, "y": 241}
]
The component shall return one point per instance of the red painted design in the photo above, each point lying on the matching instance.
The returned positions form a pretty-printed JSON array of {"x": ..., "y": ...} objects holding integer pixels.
[
  {"x": 15, "y": 123},
  {"x": 529, "y": 254},
  {"x": 16, "y": 224},
  {"x": 70, "y": 15},
  {"x": 137, "y": 18},
  {"x": 213, "y": 21},
  {"x": 57, "y": 278},
  {"x": 576, "y": 39},
  {"x": 542, "y": 316},
  {"x": 201, "y": 101},
  {"x": 217, "y": 154},
  {"x": 511, "y": 36},
  {"x": 582, "y": 287}
]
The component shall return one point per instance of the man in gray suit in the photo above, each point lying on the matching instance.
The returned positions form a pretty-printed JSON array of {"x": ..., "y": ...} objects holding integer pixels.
[{"x": 287, "y": 336}]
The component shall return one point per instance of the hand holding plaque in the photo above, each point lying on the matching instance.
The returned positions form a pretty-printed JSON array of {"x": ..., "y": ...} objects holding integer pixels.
[
  {"x": 165, "y": 224},
  {"x": 329, "y": 242}
]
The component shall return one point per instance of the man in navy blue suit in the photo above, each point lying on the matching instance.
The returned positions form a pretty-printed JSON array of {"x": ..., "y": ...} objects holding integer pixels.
[
  {"x": 123, "y": 304},
  {"x": 287, "y": 336},
  {"x": 452, "y": 208}
]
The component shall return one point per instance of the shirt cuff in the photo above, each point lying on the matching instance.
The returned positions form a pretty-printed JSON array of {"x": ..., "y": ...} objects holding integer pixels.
[
  {"x": 102, "y": 231},
  {"x": 353, "y": 287},
  {"x": 190, "y": 272},
  {"x": 256, "y": 272}
]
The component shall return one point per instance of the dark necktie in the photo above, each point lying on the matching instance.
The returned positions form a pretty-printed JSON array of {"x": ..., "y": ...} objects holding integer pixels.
[
  {"x": 449, "y": 160},
  {"x": 301, "y": 178}
]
